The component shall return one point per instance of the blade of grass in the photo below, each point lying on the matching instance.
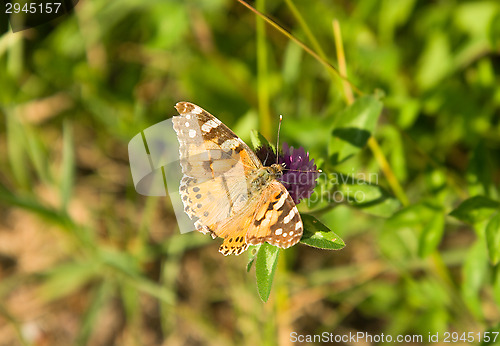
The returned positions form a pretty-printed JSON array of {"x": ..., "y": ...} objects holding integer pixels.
[
  {"x": 306, "y": 28},
  {"x": 341, "y": 60},
  {"x": 16, "y": 151},
  {"x": 131, "y": 306},
  {"x": 309, "y": 51},
  {"x": 310, "y": 36},
  {"x": 262, "y": 86},
  {"x": 66, "y": 279},
  {"x": 89, "y": 320},
  {"x": 372, "y": 142},
  {"x": 37, "y": 154},
  {"x": 437, "y": 264},
  {"x": 68, "y": 165}
]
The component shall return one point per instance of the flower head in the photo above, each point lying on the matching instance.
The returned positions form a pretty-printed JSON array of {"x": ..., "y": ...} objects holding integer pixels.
[{"x": 299, "y": 174}]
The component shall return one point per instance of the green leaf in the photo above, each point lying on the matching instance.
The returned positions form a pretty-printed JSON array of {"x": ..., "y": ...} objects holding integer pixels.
[
  {"x": 252, "y": 255},
  {"x": 431, "y": 235},
  {"x": 318, "y": 235},
  {"x": 475, "y": 270},
  {"x": 475, "y": 17},
  {"x": 121, "y": 261},
  {"x": 496, "y": 285},
  {"x": 393, "y": 145},
  {"x": 32, "y": 204},
  {"x": 494, "y": 34},
  {"x": 392, "y": 15},
  {"x": 354, "y": 127},
  {"x": 480, "y": 172},
  {"x": 398, "y": 243},
  {"x": 37, "y": 154},
  {"x": 411, "y": 216},
  {"x": 67, "y": 278},
  {"x": 372, "y": 199},
  {"x": 258, "y": 140},
  {"x": 493, "y": 238},
  {"x": 435, "y": 60},
  {"x": 16, "y": 151},
  {"x": 265, "y": 266},
  {"x": 130, "y": 297},
  {"x": 475, "y": 209},
  {"x": 292, "y": 61}
]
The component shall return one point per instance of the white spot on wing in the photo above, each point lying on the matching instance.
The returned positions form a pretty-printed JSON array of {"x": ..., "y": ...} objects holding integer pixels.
[
  {"x": 187, "y": 124},
  {"x": 298, "y": 225},
  {"x": 212, "y": 123},
  {"x": 197, "y": 110},
  {"x": 278, "y": 231},
  {"x": 281, "y": 201},
  {"x": 205, "y": 128},
  {"x": 230, "y": 143},
  {"x": 192, "y": 133},
  {"x": 209, "y": 125},
  {"x": 290, "y": 215}
]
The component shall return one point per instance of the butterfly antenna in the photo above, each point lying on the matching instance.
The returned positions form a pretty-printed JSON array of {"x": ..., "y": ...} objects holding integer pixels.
[
  {"x": 278, "y": 139},
  {"x": 306, "y": 171}
]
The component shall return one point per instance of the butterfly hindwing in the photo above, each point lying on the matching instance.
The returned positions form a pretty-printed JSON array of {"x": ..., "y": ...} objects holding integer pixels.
[
  {"x": 276, "y": 219},
  {"x": 211, "y": 201},
  {"x": 272, "y": 218}
]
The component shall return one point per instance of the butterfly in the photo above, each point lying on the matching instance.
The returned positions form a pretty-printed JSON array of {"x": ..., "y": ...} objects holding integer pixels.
[{"x": 226, "y": 190}]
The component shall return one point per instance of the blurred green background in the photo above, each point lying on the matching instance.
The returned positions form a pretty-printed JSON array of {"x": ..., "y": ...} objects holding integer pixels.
[{"x": 84, "y": 259}]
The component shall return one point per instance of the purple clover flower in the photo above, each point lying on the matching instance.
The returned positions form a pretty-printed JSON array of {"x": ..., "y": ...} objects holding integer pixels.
[{"x": 299, "y": 174}]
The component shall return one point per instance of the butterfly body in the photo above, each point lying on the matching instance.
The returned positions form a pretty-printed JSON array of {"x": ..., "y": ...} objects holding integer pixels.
[
  {"x": 260, "y": 178},
  {"x": 226, "y": 190}
]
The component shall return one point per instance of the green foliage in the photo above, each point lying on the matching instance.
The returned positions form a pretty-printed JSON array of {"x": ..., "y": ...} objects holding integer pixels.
[
  {"x": 315, "y": 234},
  {"x": 353, "y": 127},
  {"x": 431, "y": 235},
  {"x": 475, "y": 209},
  {"x": 265, "y": 267},
  {"x": 493, "y": 238},
  {"x": 318, "y": 235}
]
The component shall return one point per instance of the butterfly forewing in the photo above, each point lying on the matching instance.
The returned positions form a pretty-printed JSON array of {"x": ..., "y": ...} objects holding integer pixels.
[
  {"x": 207, "y": 146},
  {"x": 214, "y": 162}
]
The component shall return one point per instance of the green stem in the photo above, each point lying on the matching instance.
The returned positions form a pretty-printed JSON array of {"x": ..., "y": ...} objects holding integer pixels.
[{"x": 306, "y": 29}]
